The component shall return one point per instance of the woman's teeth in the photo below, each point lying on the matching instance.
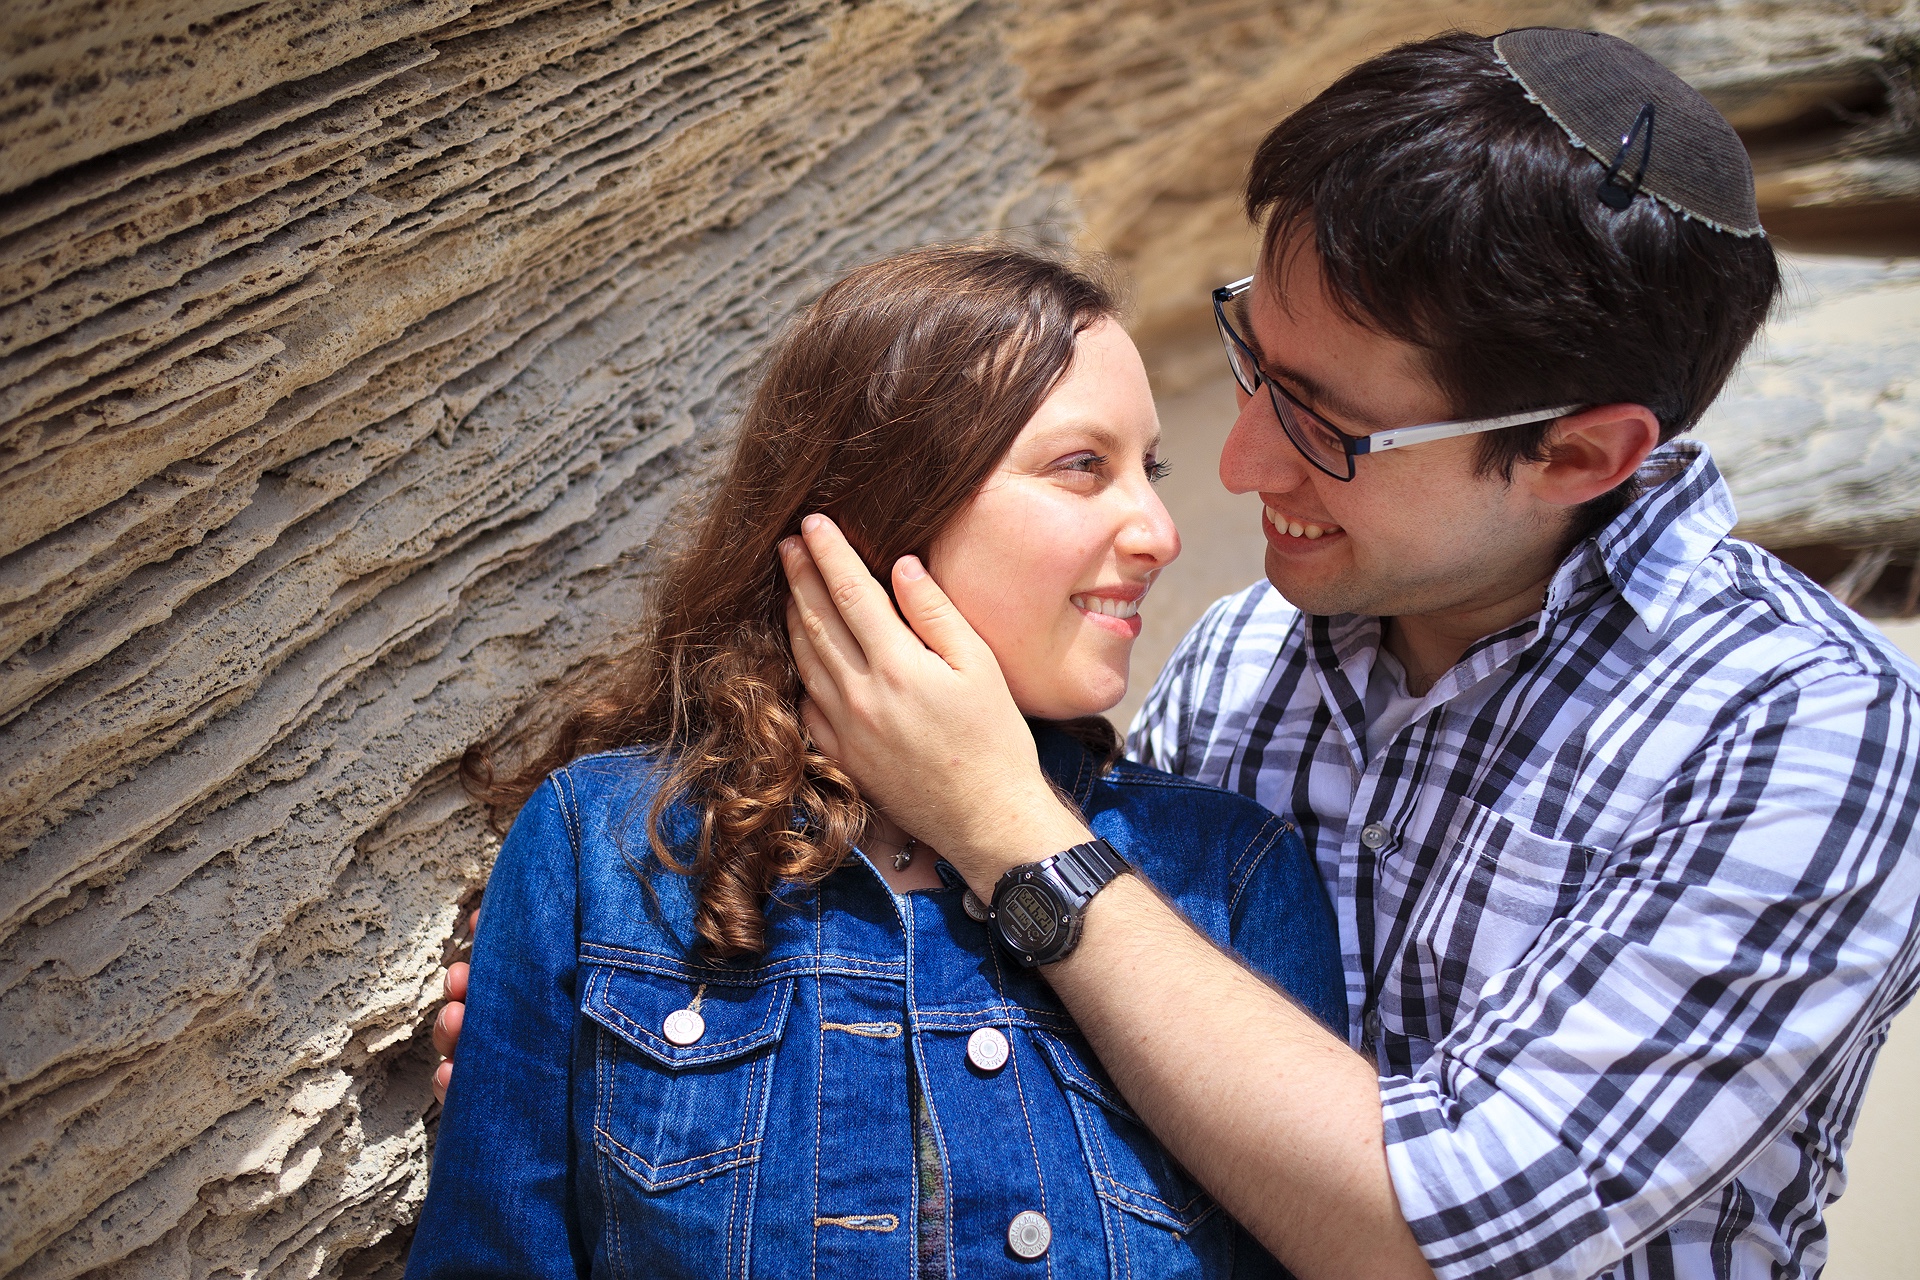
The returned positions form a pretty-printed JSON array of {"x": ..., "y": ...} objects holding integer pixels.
[
  {"x": 1296, "y": 529},
  {"x": 1107, "y": 605}
]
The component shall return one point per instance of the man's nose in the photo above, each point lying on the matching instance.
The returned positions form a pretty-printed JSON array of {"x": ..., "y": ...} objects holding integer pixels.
[{"x": 1258, "y": 456}]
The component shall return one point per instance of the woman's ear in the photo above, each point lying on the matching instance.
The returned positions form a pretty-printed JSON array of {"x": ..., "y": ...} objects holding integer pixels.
[{"x": 1592, "y": 452}]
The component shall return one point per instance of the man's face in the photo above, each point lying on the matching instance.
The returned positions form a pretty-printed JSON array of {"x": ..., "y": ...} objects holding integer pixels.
[{"x": 1416, "y": 532}]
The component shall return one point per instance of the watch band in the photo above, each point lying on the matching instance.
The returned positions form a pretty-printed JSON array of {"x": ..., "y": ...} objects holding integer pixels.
[{"x": 1086, "y": 869}]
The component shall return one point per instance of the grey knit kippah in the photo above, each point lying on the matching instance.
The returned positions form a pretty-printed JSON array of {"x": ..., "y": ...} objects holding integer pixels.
[{"x": 1650, "y": 129}]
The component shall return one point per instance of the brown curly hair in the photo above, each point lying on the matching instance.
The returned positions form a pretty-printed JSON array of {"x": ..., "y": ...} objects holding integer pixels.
[{"x": 887, "y": 403}]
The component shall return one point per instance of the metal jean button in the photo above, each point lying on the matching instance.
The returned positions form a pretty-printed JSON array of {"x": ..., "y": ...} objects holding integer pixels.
[
  {"x": 1029, "y": 1234},
  {"x": 987, "y": 1049}
]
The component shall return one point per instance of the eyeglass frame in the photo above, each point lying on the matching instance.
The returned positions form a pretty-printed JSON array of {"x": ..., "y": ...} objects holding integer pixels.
[{"x": 1351, "y": 445}]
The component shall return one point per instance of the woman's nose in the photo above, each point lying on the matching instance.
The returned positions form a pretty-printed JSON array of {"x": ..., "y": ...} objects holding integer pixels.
[
  {"x": 1258, "y": 457},
  {"x": 1150, "y": 534}
]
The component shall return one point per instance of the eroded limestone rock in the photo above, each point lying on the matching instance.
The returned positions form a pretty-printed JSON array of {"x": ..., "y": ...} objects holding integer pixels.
[
  {"x": 332, "y": 424},
  {"x": 1819, "y": 431}
]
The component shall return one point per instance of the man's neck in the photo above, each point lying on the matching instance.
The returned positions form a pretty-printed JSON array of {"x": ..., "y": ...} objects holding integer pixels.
[{"x": 1428, "y": 645}]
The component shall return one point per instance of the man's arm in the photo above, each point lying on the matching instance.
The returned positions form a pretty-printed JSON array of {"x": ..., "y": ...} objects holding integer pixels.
[{"x": 1274, "y": 1115}]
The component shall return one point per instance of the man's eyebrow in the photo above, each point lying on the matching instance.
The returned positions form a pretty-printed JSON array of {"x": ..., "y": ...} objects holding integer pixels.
[
  {"x": 1320, "y": 398},
  {"x": 1314, "y": 393}
]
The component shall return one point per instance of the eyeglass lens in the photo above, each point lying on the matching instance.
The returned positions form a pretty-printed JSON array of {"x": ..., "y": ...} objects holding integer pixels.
[{"x": 1316, "y": 439}]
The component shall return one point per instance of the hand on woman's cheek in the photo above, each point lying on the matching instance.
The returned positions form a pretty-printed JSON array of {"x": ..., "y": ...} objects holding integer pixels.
[{"x": 1052, "y": 558}]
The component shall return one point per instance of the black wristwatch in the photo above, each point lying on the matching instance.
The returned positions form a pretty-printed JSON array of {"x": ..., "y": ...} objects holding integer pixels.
[{"x": 1038, "y": 907}]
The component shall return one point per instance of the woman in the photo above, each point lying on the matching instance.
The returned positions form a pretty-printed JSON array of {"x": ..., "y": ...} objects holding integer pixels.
[{"x": 724, "y": 1018}]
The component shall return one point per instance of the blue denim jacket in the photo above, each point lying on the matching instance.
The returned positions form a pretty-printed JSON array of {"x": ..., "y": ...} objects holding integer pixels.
[{"x": 577, "y": 1139}]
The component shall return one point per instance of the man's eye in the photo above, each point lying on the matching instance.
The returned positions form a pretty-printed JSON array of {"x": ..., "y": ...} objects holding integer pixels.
[{"x": 1158, "y": 470}]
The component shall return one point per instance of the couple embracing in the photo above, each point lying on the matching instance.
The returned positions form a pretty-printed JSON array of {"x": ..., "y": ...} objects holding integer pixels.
[{"x": 1519, "y": 882}]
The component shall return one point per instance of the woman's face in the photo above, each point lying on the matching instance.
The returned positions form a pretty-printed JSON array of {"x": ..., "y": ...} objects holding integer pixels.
[{"x": 1052, "y": 559}]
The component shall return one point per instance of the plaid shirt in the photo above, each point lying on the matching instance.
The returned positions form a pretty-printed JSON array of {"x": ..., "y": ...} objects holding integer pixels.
[{"x": 1625, "y": 910}]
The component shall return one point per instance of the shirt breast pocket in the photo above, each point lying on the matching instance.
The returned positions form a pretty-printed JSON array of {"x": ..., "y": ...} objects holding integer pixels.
[
  {"x": 670, "y": 1113},
  {"x": 1487, "y": 898}
]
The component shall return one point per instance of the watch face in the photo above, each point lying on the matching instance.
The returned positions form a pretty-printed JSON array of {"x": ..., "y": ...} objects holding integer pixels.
[{"x": 1029, "y": 918}]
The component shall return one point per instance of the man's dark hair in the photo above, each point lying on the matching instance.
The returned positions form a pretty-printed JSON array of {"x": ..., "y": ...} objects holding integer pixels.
[{"x": 1454, "y": 214}]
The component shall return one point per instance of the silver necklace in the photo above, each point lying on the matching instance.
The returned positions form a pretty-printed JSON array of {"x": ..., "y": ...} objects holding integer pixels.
[{"x": 904, "y": 858}]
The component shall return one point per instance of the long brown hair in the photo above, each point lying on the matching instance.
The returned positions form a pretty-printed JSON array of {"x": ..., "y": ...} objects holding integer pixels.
[{"x": 887, "y": 403}]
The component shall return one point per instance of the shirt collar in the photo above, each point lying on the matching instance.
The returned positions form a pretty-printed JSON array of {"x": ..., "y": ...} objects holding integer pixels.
[{"x": 1651, "y": 550}]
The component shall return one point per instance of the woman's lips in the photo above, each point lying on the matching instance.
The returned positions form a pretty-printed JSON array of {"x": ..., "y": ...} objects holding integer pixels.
[{"x": 1115, "y": 613}]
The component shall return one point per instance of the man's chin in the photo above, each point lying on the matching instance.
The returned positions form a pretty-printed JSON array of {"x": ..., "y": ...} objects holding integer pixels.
[{"x": 1317, "y": 593}]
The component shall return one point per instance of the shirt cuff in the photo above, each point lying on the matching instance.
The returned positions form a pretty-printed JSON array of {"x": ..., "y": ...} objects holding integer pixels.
[{"x": 1488, "y": 1191}]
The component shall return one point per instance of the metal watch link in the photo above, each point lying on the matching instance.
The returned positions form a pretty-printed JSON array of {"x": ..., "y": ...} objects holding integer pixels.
[{"x": 1039, "y": 907}]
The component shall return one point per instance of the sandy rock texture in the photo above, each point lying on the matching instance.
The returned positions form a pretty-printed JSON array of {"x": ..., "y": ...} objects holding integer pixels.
[
  {"x": 346, "y": 354},
  {"x": 351, "y": 355},
  {"x": 1819, "y": 431}
]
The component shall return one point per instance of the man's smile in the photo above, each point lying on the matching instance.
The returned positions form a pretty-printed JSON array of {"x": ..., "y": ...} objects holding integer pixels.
[{"x": 1295, "y": 527}]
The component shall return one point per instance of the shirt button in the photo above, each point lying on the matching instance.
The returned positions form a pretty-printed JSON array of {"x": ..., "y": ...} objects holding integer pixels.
[
  {"x": 1029, "y": 1234},
  {"x": 976, "y": 910},
  {"x": 987, "y": 1049},
  {"x": 1373, "y": 835},
  {"x": 684, "y": 1026}
]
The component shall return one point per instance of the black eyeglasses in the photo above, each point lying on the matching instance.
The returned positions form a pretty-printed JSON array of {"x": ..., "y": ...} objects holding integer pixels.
[{"x": 1326, "y": 446}]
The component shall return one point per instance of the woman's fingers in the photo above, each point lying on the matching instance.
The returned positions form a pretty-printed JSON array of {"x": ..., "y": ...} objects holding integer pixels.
[
  {"x": 858, "y": 600},
  {"x": 818, "y": 619},
  {"x": 442, "y": 1077}
]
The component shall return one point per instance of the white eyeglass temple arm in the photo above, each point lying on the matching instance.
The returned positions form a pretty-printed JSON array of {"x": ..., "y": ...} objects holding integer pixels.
[{"x": 1401, "y": 437}]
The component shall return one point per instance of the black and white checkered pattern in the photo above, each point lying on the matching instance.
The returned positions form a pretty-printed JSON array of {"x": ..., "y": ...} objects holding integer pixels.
[{"x": 1643, "y": 900}]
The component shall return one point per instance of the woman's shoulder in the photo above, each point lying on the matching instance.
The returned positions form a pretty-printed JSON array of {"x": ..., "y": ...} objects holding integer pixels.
[{"x": 1176, "y": 829}]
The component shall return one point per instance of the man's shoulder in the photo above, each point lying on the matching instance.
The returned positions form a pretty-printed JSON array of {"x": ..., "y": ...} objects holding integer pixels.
[{"x": 1768, "y": 620}]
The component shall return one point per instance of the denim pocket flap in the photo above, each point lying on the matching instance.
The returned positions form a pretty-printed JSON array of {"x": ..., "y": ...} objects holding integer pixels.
[
  {"x": 731, "y": 1020},
  {"x": 1082, "y": 1075}
]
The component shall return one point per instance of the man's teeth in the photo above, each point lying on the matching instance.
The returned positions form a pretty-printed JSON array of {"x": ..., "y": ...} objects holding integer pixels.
[
  {"x": 1108, "y": 605},
  {"x": 1295, "y": 529}
]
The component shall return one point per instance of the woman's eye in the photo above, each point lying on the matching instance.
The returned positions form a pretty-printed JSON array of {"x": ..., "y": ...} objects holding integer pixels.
[
  {"x": 1157, "y": 470},
  {"x": 1090, "y": 463}
]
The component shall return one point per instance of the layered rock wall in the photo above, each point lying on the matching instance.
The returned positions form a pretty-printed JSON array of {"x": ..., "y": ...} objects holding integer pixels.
[
  {"x": 351, "y": 354},
  {"x": 346, "y": 352}
]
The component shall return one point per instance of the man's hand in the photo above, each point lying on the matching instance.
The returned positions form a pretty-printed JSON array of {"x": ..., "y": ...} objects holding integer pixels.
[
  {"x": 921, "y": 717},
  {"x": 446, "y": 1023}
]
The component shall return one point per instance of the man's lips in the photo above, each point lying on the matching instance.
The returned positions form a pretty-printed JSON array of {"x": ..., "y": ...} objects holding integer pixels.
[{"x": 1291, "y": 526}]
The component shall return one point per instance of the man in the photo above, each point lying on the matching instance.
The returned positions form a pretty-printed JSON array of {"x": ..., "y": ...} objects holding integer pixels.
[{"x": 1618, "y": 814}]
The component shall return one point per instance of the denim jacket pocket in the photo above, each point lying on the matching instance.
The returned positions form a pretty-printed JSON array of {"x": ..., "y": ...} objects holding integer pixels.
[
  {"x": 1130, "y": 1169},
  {"x": 666, "y": 1113}
]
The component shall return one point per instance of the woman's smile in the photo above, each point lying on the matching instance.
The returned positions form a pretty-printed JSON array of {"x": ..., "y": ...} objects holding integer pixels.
[{"x": 1115, "y": 608}]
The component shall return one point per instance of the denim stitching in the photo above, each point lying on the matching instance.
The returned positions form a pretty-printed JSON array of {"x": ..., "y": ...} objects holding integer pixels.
[
  {"x": 820, "y": 1074},
  {"x": 1181, "y": 1211},
  {"x": 1020, "y": 1092},
  {"x": 871, "y": 1030},
  {"x": 861, "y": 1222},
  {"x": 647, "y": 1170},
  {"x": 569, "y": 807},
  {"x": 1251, "y": 859}
]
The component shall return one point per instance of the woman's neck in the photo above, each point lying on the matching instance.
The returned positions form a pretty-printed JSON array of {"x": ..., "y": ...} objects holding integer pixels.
[{"x": 884, "y": 838}]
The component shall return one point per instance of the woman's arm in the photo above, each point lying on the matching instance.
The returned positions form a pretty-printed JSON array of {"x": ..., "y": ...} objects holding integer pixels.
[{"x": 502, "y": 1200}]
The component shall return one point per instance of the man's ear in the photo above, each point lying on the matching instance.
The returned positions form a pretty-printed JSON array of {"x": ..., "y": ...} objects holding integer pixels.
[{"x": 1591, "y": 453}]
